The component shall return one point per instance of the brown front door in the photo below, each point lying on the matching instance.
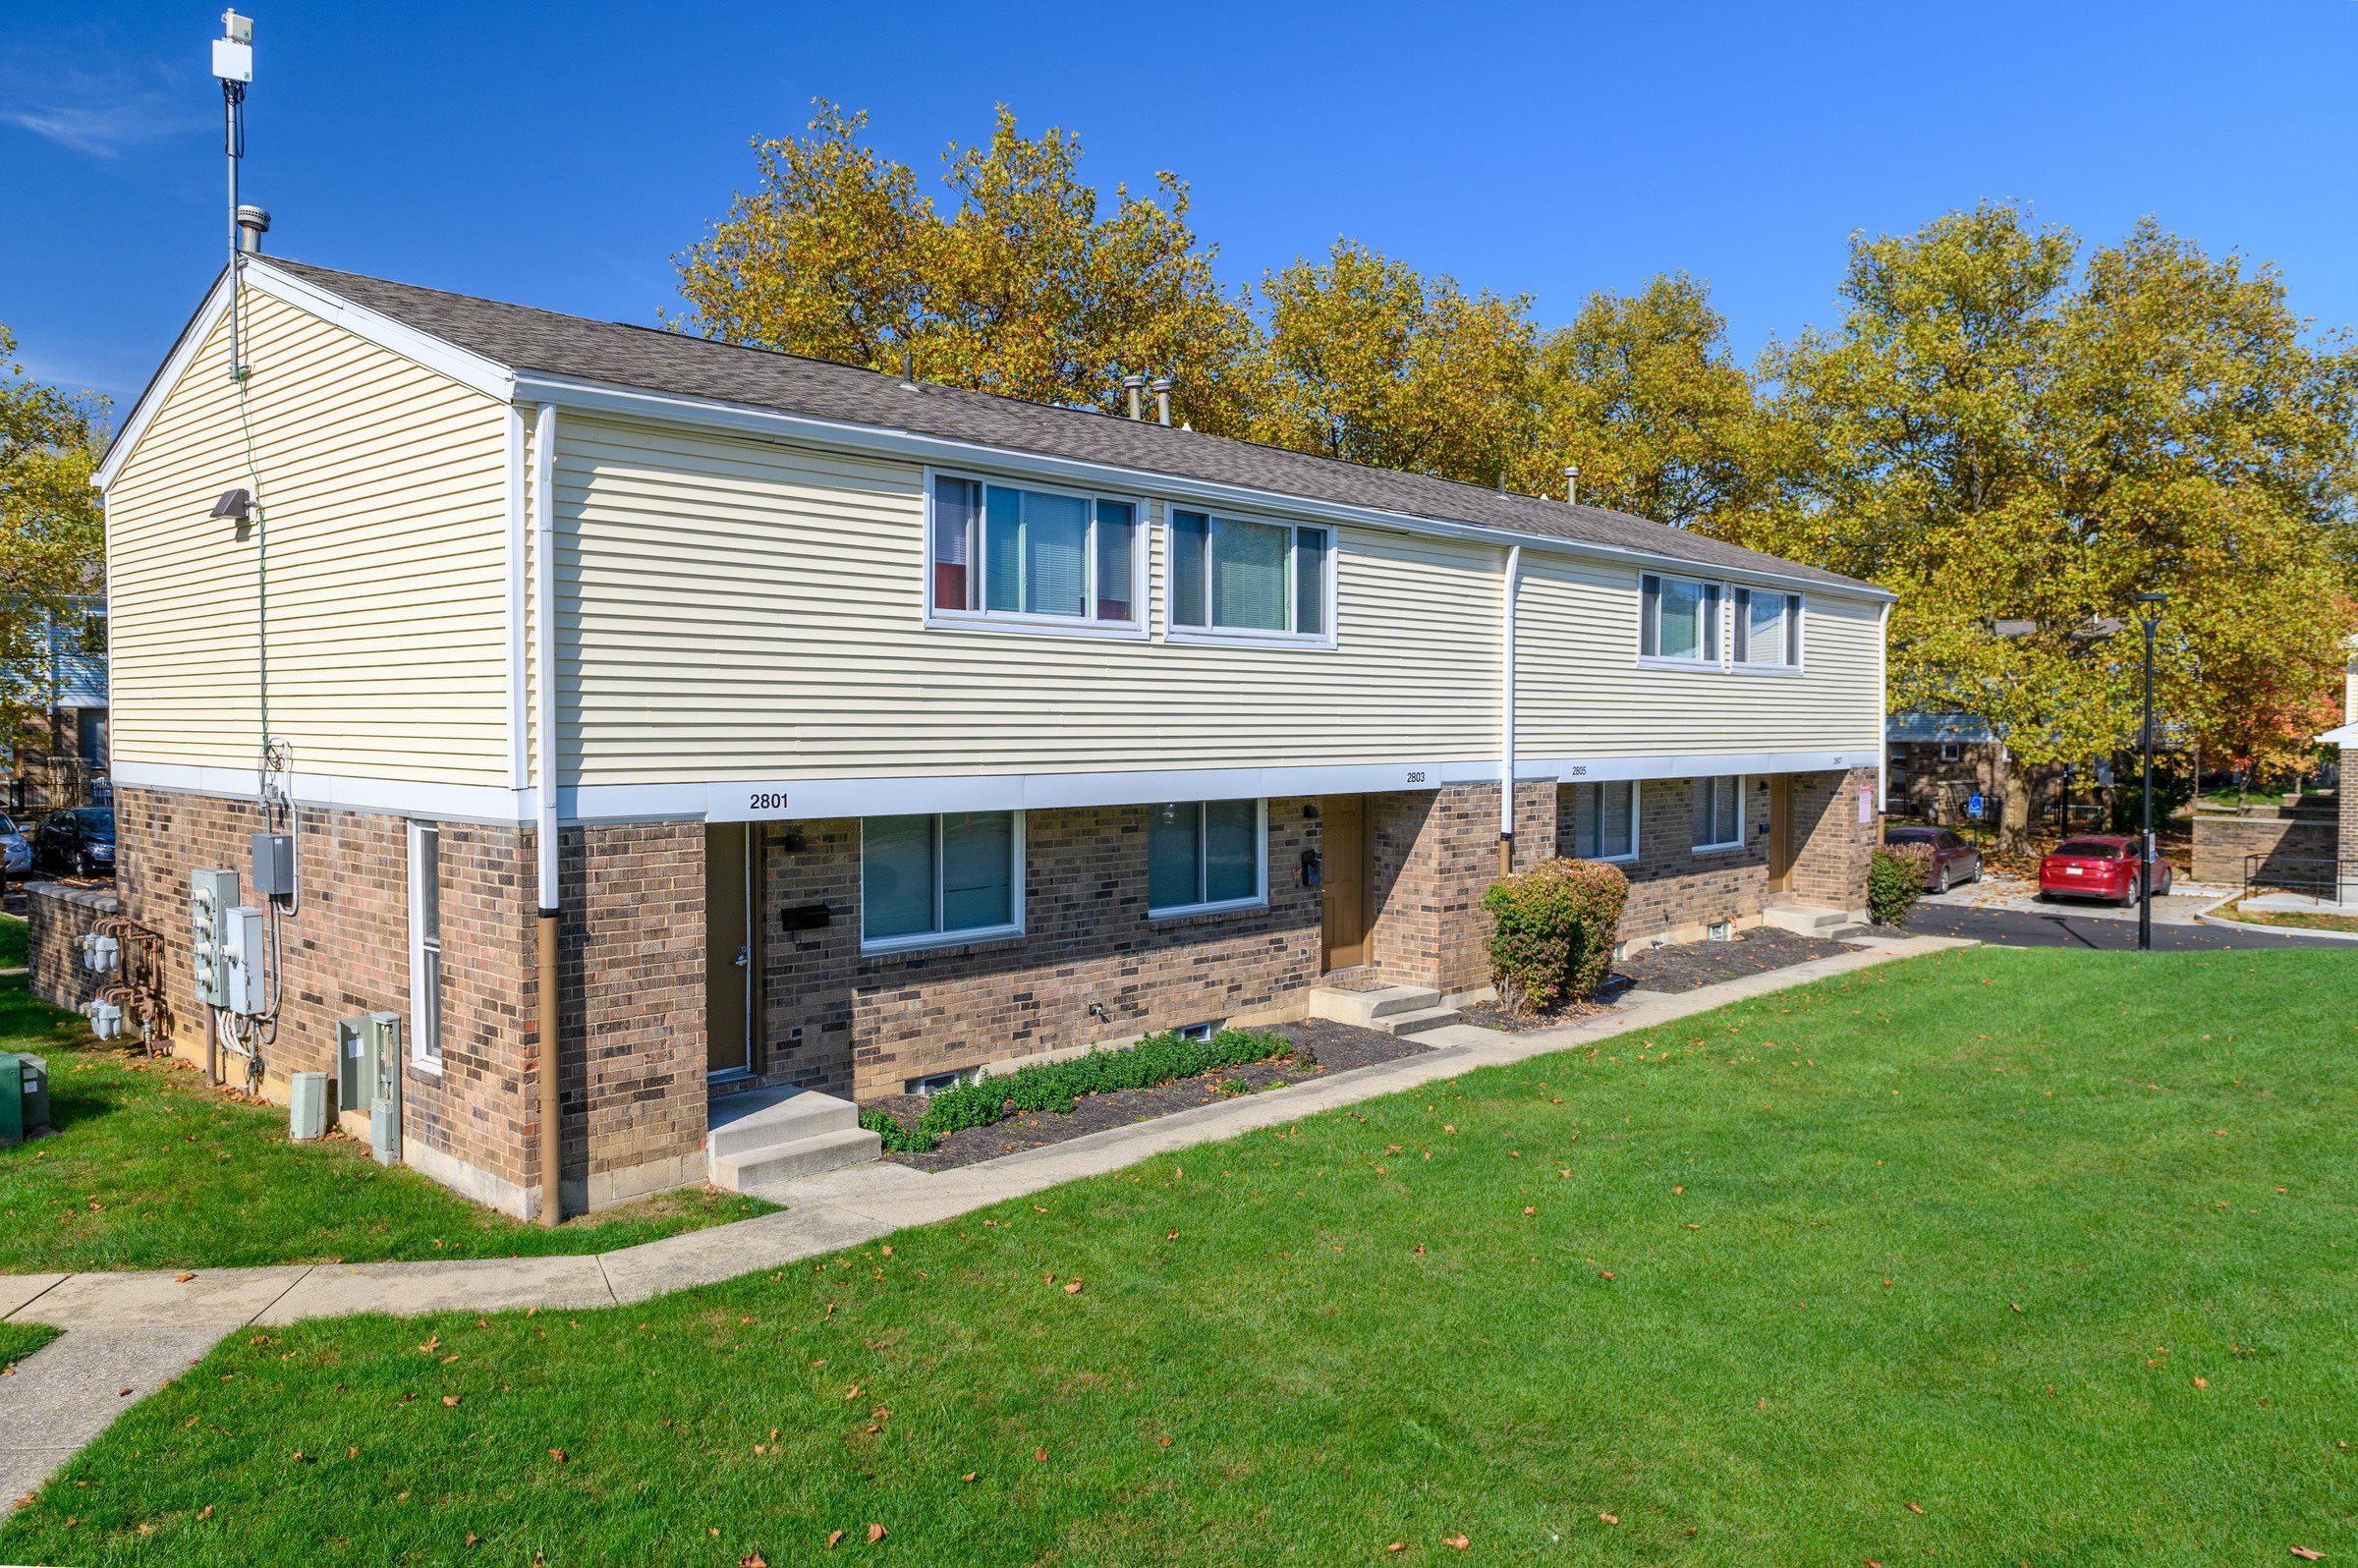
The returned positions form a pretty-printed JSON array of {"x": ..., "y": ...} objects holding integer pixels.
[
  {"x": 1344, "y": 891},
  {"x": 730, "y": 966},
  {"x": 1780, "y": 833}
]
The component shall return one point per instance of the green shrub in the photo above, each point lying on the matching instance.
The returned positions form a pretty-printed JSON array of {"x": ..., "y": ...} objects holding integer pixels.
[
  {"x": 898, "y": 1139},
  {"x": 1054, "y": 1086},
  {"x": 1896, "y": 878},
  {"x": 1551, "y": 935}
]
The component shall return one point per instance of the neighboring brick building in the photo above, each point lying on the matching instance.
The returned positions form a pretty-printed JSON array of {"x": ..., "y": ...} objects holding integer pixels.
[{"x": 843, "y": 734}]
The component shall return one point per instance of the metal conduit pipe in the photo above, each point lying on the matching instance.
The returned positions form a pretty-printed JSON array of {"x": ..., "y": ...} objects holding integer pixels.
[{"x": 544, "y": 577}]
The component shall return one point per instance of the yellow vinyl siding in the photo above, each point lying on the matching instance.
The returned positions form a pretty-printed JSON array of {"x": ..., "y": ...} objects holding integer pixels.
[
  {"x": 1580, "y": 691},
  {"x": 736, "y": 608},
  {"x": 383, "y": 487}
]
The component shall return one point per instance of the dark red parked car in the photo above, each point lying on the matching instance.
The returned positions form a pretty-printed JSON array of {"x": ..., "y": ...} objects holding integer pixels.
[
  {"x": 1953, "y": 859},
  {"x": 2098, "y": 866}
]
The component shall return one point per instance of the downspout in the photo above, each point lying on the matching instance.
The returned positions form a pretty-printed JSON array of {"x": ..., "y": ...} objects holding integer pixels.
[
  {"x": 544, "y": 594},
  {"x": 1506, "y": 712},
  {"x": 1882, "y": 712}
]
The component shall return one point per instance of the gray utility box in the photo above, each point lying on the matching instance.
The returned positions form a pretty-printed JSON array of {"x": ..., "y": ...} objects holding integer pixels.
[
  {"x": 35, "y": 1073},
  {"x": 306, "y": 1106},
  {"x": 368, "y": 1064},
  {"x": 273, "y": 865},
  {"x": 212, "y": 894}
]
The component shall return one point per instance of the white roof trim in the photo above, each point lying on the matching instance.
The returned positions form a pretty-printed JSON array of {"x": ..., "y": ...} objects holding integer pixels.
[
  {"x": 2347, "y": 735},
  {"x": 467, "y": 369},
  {"x": 598, "y": 397}
]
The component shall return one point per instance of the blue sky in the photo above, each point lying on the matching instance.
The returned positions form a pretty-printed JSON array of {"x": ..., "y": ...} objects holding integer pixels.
[{"x": 562, "y": 154}]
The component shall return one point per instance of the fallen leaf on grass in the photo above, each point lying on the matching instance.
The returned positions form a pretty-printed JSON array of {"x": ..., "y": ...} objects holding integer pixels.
[
  {"x": 1041, "y": 1455},
  {"x": 557, "y": 1454},
  {"x": 2305, "y": 1554},
  {"x": 833, "y": 1536},
  {"x": 1604, "y": 1273},
  {"x": 183, "y": 1277},
  {"x": 2202, "y": 1382},
  {"x": 1458, "y": 1541},
  {"x": 1610, "y": 1519},
  {"x": 875, "y": 1532},
  {"x": 1397, "y": 1546},
  {"x": 449, "y": 1400},
  {"x": 1529, "y": 1210},
  {"x": 207, "y": 1512},
  {"x": 969, "y": 1476},
  {"x": 1072, "y": 1287},
  {"x": 752, "y": 1559},
  {"x": 1915, "y": 1508}
]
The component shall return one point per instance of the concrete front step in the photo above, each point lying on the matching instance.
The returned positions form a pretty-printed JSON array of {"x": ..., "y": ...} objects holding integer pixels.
[
  {"x": 769, "y": 1134},
  {"x": 1393, "y": 1009},
  {"x": 737, "y": 1124},
  {"x": 804, "y": 1156},
  {"x": 1807, "y": 919}
]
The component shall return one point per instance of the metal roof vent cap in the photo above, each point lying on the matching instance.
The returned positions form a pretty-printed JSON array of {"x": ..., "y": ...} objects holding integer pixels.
[
  {"x": 1163, "y": 399},
  {"x": 253, "y": 223},
  {"x": 1134, "y": 384}
]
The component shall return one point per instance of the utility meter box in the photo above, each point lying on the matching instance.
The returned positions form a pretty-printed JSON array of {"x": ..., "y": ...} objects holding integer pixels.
[
  {"x": 212, "y": 894},
  {"x": 246, "y": 987},
  {"x": 273, "y": 865},
  {"x": 35, "y": 1073},
  {"x": 367, "y": 1055}
]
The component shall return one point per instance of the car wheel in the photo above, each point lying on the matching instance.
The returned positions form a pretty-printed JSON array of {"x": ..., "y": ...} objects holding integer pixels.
[
  {"x": 1941, "y": 881},
  {"x": 2129, "y": 899},
  {"x": 81, "y": 864}
]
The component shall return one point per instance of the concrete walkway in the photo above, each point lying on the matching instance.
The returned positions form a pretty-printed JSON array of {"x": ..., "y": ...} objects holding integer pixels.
[{"x": 131, "y": 1332}]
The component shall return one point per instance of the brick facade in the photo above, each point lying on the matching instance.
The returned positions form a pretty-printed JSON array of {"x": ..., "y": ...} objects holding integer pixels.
[
  {"x": 1834, "y": 837},
  {"x": 1091, "y": 965},
  {"x": 2293, "y": 847},
  {"x": 2346, "y": 854},
  {"x": 1436, "y": 853},
  {"x": 631, "y": 972},
  {"x": 56, "y": 915}
]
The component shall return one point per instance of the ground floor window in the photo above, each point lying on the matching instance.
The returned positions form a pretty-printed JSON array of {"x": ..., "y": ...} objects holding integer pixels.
[
  {"x": 929, "y": 879},
  {"x": 1203, "y": 855},
  {"x": 1719, "y": 812},
  {"x": 1605, "y": 820},
  {"x": 426, "y": 943}
]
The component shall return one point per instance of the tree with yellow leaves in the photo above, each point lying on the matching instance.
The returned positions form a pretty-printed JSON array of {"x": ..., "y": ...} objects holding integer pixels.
[{"x": 52, "y": 541}]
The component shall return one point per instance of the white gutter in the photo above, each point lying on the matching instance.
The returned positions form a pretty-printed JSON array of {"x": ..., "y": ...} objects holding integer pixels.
[
  {"x": 709, "y": 414},
  {"x": 1506, "y": 712},
  {"x": 544, "y": 611}
]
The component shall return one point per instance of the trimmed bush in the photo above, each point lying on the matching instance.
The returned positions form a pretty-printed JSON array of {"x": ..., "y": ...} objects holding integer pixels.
[
  {"x": 1896, "y": 878},
  {"x": 1055, "y": 1086},
  {"x": 1551, "y": 936}
]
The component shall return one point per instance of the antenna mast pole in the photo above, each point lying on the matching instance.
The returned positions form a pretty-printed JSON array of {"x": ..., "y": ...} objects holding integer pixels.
[{"x": 233, "y": 62}]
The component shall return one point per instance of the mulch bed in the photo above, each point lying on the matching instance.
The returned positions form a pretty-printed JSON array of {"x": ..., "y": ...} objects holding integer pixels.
[
  {"x": 1337, "y": 1048},
  {"x": 1692, "y": 965}
]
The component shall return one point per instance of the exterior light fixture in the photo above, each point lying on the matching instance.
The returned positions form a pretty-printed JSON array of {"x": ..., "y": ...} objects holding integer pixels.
[{"x": 236, "y": 505}]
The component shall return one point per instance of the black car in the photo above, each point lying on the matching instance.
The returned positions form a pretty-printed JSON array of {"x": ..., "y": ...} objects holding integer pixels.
[{"x": 78, "y": 843}]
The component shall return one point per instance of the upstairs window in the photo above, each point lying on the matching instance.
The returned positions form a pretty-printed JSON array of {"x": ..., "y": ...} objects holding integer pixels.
[
  {"x": 1205, "y": 855},
  {"x": 1605, "y": 820},
  {"x": 1719, "y": 812},
  {"x": 1678, "y": 619},
  {"x": 1043, "y": 558},
  {"x": 1768, "y": 628},
  {"x": 1255, "y": 578}
]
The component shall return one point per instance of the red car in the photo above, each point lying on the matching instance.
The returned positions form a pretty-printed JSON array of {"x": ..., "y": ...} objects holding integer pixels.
[
  {"x": 1954, "y": 859},
  {"x": 2098, "y": 866}
]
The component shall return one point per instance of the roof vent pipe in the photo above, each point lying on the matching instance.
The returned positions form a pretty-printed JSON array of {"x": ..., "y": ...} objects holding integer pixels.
[
  {"x": 1163, "y": 399},
  {"x": 1572, "y": 485},
  {"x": 1134, "y": 385},
  {"x": 252, "y": 224}
]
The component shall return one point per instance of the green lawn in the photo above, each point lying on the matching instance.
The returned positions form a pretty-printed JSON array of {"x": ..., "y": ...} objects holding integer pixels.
[
  {"x": 20, "y": 1340},
  {"x": 11, "y": 941},
  {"x": 150, "y": 1169},
  {"x": 2054, "y": 1247}
]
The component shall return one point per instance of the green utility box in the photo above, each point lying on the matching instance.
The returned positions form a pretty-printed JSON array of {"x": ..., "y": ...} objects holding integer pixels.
[{"x": 24, "y": 1096}]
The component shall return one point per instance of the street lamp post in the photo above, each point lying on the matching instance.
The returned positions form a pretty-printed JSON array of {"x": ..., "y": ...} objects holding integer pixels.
[{"x": 2151, "y": 616}]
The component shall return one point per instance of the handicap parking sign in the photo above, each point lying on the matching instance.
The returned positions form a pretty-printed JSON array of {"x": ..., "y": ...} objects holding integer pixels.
[{"x": 1973, "y": 807}]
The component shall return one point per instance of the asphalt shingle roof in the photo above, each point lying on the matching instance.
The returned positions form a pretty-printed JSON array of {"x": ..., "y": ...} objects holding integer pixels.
[{"x": 649, "y": 358}]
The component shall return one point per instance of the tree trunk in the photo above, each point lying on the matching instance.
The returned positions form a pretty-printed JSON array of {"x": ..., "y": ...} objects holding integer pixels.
[{"x": 2014, "y": 806}]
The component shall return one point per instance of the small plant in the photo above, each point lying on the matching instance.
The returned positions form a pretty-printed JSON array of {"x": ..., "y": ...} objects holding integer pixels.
[
  {"x": 1231, "y": 1087},
  {"x": 1896, "y": 878},
  {"x": 898, "y": 1139},
  {"x": 1551, "y": 933}
]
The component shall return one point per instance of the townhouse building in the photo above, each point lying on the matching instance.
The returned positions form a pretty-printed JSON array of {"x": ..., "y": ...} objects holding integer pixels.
[{"x": 700, "y": 719}]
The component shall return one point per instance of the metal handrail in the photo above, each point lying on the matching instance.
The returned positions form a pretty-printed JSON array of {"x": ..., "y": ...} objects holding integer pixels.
[{"x": 2262, "y": 870}]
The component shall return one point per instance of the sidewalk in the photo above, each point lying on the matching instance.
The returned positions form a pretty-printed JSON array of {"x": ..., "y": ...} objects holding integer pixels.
[{"x": 129, "y": 1332}]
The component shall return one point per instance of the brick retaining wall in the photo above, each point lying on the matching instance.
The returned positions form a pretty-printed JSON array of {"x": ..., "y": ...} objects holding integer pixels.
[
  {"x": 2287, "y": 843},
  {"x": 56, "y": 915}
]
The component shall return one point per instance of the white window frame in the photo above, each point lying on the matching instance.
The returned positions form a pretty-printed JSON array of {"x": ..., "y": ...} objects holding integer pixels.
[
  {"x": 1261, "y": 865},
  {"x": 920, "y": 941},
  {"x": 1715, "y": 620},
  {"x": 1637, "y": 842},
  {"x": 1248, "y": 637},
  {"x": 1133, "y": 630},
  {"x": 425, "y": 1048},
  {"x": 1743, "y": 819},
  {"x": 1796, "y": 637}
]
